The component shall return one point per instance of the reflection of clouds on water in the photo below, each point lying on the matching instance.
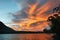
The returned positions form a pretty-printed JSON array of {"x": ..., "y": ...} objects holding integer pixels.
[{"x": 25, "y": 36}]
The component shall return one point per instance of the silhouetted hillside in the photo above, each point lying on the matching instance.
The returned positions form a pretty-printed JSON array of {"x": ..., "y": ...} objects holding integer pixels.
[{"x": 5, "y": 29}]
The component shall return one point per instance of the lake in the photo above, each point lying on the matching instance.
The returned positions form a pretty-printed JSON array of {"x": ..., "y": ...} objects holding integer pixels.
[{"x": 41, "y": 36}]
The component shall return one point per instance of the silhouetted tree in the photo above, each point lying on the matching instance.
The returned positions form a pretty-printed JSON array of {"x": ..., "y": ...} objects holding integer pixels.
[
  {"x": 57, "y": 9},
  {"x": 55, "y": 21}
]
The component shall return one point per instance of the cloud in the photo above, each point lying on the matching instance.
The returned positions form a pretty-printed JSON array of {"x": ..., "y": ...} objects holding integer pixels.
[{"x": 45, "y": 8}]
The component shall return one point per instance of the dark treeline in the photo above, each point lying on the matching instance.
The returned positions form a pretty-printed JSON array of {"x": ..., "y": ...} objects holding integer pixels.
[{"x": 55, "y": 23}]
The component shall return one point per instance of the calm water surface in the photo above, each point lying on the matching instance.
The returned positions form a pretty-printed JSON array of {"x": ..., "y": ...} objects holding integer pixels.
[{"x": 26, "y": 36}]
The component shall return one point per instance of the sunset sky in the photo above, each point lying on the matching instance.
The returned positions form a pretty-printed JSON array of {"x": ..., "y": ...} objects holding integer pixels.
[{"x": 21, "y": 12}]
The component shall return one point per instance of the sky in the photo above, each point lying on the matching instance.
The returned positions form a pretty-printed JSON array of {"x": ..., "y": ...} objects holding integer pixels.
[
  {"x": 16, "y": 7},
  {"x": 7, "y": 7}
]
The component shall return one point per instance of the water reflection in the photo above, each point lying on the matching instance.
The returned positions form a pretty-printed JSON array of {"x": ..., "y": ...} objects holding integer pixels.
[{"x": 26, "y": 36}]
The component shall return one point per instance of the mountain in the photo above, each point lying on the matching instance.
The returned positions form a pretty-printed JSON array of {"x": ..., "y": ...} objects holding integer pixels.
[{"x": 5, "y": 29}]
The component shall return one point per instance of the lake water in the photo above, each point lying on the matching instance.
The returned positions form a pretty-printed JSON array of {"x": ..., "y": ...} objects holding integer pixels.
[{"x": 26, "y": 36}]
